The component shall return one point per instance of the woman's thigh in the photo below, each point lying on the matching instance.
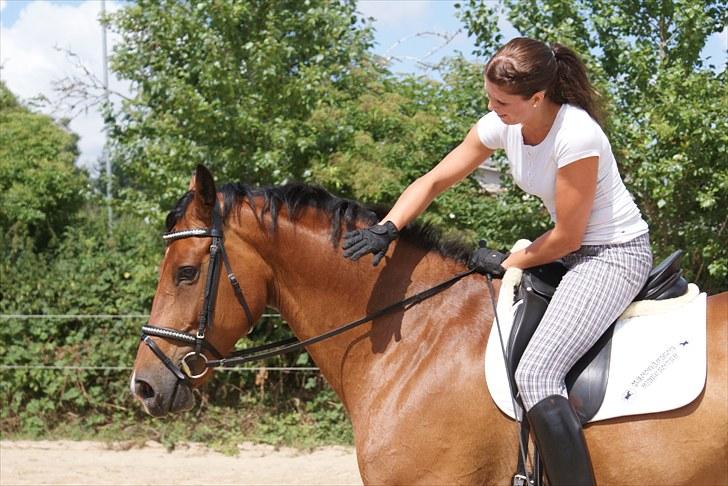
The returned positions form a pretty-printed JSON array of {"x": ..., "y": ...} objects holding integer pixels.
[{"x": 601, "y": 282}]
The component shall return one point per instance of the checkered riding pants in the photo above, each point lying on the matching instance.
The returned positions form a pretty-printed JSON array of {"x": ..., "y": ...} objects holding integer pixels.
[{"x": 601, "y": 281}]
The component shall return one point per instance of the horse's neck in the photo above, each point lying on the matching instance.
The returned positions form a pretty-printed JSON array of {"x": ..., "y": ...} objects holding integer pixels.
[{"x": 317, "y": 289}]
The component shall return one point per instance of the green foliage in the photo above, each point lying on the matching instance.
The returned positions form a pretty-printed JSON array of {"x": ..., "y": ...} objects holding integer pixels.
[
  {"x": 319, "y": 420},
  {"x": 230, "y": 84},
  {"x": 678, "y": 162},
  {"x": 268, "y": 94},
  {"x": 40, "y": 189},
  {"x": 85, "y": 274},
  {"x": 481, "y": 20}
]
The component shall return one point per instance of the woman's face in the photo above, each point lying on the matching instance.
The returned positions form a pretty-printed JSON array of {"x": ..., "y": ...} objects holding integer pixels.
[{"x": 511, "y": 109}]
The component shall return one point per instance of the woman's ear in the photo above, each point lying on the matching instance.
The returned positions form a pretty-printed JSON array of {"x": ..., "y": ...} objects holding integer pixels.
[{"x": 538, "y": 98}]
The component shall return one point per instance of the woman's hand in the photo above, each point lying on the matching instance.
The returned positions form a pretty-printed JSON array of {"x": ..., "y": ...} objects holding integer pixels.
[
  {"x": 488, "y": 262},
  {"x": 375, "y": 239}
]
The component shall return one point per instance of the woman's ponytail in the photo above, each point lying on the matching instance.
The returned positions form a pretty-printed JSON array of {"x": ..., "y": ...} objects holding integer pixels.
[{"x": 571, "y": 84}]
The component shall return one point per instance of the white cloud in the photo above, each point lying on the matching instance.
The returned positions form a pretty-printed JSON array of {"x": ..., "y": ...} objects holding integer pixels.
[
  {"x": 31, "y": 61},
  {"x": 388, "y": 12},
  {"x": 3, "y": 4}
]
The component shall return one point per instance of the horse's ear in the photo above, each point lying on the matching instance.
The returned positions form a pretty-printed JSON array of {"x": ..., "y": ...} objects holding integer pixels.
[{"x": 203, "y": 185}]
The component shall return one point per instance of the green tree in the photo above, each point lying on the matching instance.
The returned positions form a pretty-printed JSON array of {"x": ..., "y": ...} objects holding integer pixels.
[
  {"x": 668, "y": 108},
  {"x": 230, "y": 84},
  {"x": 40, "y": 188}
]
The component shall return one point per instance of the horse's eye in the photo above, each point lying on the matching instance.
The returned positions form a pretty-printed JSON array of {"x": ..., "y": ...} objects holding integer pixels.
[{"x": 186, "y": 274}]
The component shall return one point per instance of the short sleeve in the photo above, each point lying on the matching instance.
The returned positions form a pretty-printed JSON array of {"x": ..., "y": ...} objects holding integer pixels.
[
  {"x": 579, "y": 142},
  {"x": 491, "y": 131}
]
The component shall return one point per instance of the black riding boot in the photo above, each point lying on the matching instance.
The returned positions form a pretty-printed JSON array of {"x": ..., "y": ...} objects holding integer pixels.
[{"x": 561, "y": 442}]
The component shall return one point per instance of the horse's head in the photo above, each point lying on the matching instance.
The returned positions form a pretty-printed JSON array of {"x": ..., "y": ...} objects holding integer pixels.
[{"x": 198, "y": 313}]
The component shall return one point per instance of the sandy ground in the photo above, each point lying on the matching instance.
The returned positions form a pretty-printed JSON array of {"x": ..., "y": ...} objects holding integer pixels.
[{"x": 94, "y": 463}]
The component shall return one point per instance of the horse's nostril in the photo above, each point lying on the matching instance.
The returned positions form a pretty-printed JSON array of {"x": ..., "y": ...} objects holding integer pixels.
[{"x": 143, "y": 389}]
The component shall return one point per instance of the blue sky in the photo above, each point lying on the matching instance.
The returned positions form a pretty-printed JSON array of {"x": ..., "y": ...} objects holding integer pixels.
[{"x": 407, "y": 31}]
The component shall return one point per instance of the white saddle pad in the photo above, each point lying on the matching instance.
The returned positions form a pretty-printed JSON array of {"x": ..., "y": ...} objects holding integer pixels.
[{"x": 658, "y": 356}]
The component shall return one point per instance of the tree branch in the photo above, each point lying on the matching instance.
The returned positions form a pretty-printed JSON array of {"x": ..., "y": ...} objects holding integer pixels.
[
  {"x": 78, "y": 93},
  {"x": 446, "y": 37}
]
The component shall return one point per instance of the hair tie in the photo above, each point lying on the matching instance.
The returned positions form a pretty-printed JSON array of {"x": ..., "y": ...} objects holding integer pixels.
[{"x": 553, "y": 52}]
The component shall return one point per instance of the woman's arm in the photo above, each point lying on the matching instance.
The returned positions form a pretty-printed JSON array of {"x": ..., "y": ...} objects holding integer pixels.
[
  {"x": 460, "y": 162},
  {"x": 576, "y": 185}
]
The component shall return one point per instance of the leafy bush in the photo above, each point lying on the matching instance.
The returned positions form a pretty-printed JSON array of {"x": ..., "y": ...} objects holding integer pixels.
[{"x": 40, "y": 189}]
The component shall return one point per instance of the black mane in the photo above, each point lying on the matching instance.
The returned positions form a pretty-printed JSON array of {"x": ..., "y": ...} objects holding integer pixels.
[{"x": 296, "y": 197}]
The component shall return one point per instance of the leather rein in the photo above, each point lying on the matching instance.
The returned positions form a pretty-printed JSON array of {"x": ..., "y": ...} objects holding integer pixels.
[{"x": 195, "y": 364}]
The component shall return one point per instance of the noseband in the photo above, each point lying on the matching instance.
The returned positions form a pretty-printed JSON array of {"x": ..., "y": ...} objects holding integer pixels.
[{"x": 195, "y": 363}]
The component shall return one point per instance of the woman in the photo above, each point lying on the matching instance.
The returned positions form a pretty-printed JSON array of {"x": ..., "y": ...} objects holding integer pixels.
[{"x": 544, "y": 114}]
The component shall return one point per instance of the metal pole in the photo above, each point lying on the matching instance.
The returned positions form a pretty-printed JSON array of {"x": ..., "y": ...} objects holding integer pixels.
[{"x": 106, "y": 97}]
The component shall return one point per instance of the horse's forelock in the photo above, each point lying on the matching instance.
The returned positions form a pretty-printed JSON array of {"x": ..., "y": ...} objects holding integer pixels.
[{"x": 178, "y": 211}]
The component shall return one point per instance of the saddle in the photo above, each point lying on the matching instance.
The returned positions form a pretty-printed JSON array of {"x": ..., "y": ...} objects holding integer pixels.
[{"x": 586, "y": 383}]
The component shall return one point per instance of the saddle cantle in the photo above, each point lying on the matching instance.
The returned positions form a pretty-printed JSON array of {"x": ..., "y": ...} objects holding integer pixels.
[{"x": 586, "y": 383}]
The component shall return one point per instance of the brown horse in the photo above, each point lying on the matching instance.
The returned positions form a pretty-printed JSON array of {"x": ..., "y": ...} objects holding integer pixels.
[{"x": 412, "y": 382}]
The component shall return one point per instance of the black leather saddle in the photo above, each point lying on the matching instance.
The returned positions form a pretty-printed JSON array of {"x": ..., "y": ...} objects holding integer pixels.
[{"x": 587, "y": 381}]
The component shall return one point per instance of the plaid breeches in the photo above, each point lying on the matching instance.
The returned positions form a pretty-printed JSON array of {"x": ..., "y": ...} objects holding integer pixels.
[{"x": 601, "y": 281}]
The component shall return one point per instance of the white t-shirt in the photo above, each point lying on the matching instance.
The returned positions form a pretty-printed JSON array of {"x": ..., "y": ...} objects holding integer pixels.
[{"x": 574, "y": 135}]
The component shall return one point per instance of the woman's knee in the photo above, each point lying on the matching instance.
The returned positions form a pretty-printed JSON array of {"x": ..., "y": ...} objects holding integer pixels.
[
  {"x": 534, "y": 382},
  {"x": 527, "y": 375}
]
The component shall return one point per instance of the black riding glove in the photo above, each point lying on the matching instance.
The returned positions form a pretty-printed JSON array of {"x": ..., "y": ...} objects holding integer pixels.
[
  {"x": 487, "y": 261},
  {"x": 375, "y": 239}
]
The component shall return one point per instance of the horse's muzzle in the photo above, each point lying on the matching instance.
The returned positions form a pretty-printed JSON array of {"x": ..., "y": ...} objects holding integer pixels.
[{"x": 161, "y": 393}]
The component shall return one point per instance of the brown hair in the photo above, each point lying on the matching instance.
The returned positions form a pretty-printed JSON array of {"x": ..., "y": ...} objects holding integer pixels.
[{"x": 524, "y": 66}]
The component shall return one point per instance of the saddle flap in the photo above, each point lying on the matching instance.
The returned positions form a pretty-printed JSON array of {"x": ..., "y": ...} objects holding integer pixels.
[
  {"x": 525, "y": 321},
  {"x": 586, "y": 383}
]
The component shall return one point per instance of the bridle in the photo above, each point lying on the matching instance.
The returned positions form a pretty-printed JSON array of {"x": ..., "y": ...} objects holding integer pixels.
[{"x": 195, "y": 363}]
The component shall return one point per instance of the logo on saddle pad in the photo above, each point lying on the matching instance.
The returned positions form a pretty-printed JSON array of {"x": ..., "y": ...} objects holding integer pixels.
[
  {"x": 653, "y": 361},
  {"x": 654, "y": 370}
]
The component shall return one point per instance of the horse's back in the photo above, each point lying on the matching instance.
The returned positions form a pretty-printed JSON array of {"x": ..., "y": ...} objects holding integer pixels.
[{"x": 684, "y": 446}]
